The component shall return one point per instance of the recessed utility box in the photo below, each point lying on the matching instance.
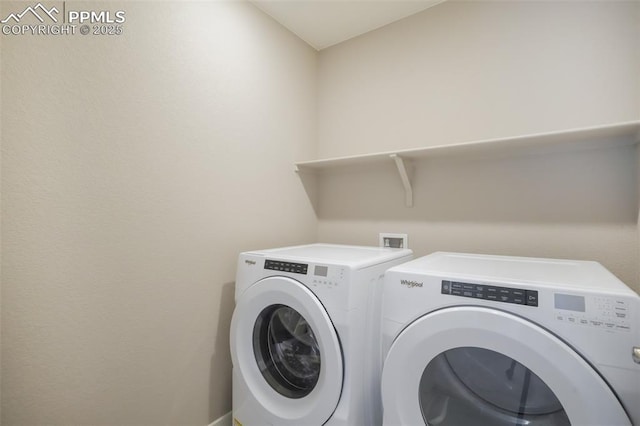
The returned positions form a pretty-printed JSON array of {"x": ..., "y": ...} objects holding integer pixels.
[{"x": 394, "y": 240}]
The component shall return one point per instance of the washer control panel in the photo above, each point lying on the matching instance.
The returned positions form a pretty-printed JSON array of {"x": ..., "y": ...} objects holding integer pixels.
[
  {"x": 277, "y": 265},
  {"x": 608, "y": 313},
  {"x": 328, "y": 276},
  {"x": 491, "y": 292}
]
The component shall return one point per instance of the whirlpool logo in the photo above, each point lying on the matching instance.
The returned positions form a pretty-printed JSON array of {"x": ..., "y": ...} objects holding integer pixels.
[{"x": 410, "y": 284}]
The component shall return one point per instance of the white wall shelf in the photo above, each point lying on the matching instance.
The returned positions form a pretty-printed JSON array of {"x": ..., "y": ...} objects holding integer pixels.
[{"x": 619, "y": 134}]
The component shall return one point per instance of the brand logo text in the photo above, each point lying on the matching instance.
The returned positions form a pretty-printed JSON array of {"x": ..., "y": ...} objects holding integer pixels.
[{"x": 410, "y": 284}]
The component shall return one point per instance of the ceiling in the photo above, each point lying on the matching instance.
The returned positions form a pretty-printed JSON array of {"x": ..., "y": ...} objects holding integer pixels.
[{"x": 323, "y": 23}]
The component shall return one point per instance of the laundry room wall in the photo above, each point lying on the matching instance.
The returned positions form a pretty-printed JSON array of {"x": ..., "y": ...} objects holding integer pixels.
[
  {"x": 466, "y": 71},
  {"x": 1, "y": 238},
  {"x": 135, "y": 168}
]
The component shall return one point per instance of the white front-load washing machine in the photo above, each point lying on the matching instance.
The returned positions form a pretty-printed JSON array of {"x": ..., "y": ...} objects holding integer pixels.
[
  {"x": 496, "y": 340},
  {"x": 305, "y": 335}
]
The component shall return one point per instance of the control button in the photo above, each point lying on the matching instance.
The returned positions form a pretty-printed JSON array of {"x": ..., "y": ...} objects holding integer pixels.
[
  {"x": 480, "y": 288},
  {"x": 456, "y": 292},
  {"x": 609, "y": 325},
  {"x": 621, "y": 315},
  {"x": 518, "y": 293},
  {"x": 492, "y": 290},
  {"x": 623, "y": 327},
  {"x": 504, "y": 298},
  {"x": 584, "y": 321},
  {"x": 560, "y": 317},
  {"x": 531, "y": 297},
  {"x": 446, "y": 287},
  {"x": 492, "y": 297},
  {"x": 457, "y": 286},
  {"x": 504, "y": 291},
  {"x": 571, "y": 320},
  {"x": 468, "y": 286},
  {"x": 518, "y": 300},
  {"x": 478, "y": 295},
  {"x": 467, "y": 294}
]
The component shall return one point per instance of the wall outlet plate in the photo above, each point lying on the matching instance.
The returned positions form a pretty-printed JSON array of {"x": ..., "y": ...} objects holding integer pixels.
[{"x": 393, "y": 240}]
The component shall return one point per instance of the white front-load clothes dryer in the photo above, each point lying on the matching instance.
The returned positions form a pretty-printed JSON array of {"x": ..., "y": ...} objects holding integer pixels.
[
  {"x": 496, "y": 340},
  {"x": 305, "y": 335}
]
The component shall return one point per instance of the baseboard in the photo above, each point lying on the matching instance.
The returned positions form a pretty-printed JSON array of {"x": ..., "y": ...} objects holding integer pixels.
[{"x": 223, "y": 421}]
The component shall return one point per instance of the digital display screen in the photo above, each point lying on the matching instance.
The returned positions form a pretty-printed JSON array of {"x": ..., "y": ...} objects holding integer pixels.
[
  {"x": 320, "y": 271},
  {"x": 569, "y": 302}
]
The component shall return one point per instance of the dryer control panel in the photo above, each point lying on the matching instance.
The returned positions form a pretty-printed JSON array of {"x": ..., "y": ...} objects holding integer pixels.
[{"x": 491, "y": 292}]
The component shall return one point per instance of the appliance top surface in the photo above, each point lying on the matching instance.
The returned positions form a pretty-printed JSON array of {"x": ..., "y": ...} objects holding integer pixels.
[
  {"x": 581, "y": 275},
  {"x": 354, "y": 256}
]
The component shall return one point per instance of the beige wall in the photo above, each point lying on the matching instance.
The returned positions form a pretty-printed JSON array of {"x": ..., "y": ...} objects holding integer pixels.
[
  {"x": 464, "y": 71},
  {"x": 1, "y": 221},
  {"x": 135, "y": 168},
  {"x": 570, "y": 205}
]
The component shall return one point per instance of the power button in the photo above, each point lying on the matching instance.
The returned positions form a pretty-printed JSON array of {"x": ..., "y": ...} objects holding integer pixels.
[{"x": 531, "y": 297}]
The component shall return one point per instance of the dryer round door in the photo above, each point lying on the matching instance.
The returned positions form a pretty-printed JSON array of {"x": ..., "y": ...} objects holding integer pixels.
[
  {"x": 286, "y": 349},
  {"x": 474, "y": 365}
]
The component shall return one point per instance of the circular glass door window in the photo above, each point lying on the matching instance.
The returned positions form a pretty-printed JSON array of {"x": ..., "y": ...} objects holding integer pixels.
[
  {"x": 473, "y": 386},
  {"x": 286, "y": 351}
]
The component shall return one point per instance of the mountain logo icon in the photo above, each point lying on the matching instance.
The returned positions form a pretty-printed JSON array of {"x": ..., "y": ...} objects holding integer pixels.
[{"x": 38, "y": 11}]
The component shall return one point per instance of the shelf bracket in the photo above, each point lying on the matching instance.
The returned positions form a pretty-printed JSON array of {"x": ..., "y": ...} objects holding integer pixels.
[{"x": 404, "y": 176}]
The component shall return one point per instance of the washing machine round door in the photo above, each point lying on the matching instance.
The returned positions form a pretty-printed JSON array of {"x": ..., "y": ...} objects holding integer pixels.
[
  {"x": 286, "y": 349},
  {"x": 475, "y": 365}
]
